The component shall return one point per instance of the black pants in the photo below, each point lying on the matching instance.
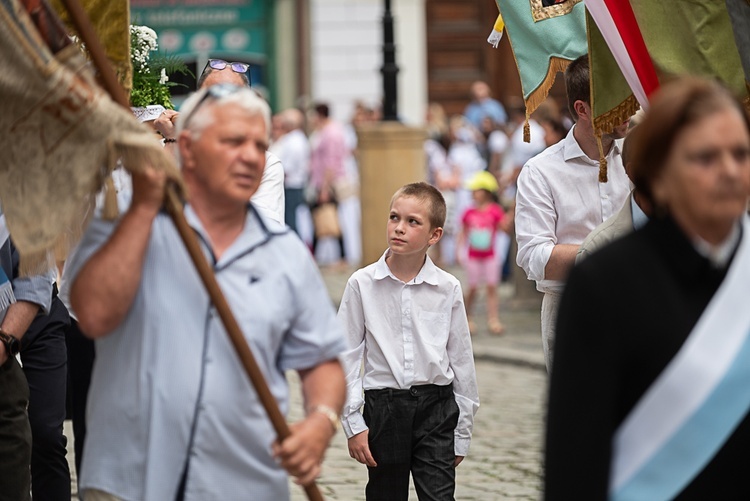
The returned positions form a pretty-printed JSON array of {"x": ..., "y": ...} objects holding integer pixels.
[
  {"x": 44, "y": 358},
  {"x": 412, "y": 431},
  {"x": 80, "y": 366},
  {"x": 15, "y": 433}
]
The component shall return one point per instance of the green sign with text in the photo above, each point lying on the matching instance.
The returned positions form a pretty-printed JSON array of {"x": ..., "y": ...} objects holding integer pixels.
[{"x": 190, "y": 28}]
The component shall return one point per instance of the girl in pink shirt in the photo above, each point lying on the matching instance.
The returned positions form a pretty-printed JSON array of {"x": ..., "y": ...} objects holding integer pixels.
[{"x": 480, "y": 224}]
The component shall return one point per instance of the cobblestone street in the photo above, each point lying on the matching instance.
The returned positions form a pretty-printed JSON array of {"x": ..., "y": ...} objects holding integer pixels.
[{"x": 504, "y": 461}]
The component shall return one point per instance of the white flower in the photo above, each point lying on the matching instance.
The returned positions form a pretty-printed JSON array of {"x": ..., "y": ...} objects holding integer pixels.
[
  {"x": 164, "y": 78},
  {"x": 145, "y": 36}
]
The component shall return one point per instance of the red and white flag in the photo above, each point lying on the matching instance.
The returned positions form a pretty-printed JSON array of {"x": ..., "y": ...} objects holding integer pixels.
[{"x": 617, "y": 23}]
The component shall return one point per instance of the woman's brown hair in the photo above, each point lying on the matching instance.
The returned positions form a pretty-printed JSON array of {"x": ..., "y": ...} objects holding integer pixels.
[{"x": 678, "y": 104}]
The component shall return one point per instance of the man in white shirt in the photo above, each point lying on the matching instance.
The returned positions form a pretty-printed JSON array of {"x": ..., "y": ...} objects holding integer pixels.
[
  {"x": 293, "y": 149},
  {"x": 633, "y": 215},
  {"x": 560, "y": 199}
]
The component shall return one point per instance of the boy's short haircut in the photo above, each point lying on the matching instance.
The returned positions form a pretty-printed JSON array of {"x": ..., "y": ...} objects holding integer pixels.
[{"x": 427, "y": 193}]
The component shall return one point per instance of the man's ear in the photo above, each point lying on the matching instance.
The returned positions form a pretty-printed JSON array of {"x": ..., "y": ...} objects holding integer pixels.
[
  {"x": 583, "y": 110},
  {"x": 437, "y": 233},
  {"x": 185, "y": 145}
]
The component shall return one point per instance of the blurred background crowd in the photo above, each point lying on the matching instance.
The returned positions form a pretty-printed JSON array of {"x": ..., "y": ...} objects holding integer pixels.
[{"x": 320, "y": 161}]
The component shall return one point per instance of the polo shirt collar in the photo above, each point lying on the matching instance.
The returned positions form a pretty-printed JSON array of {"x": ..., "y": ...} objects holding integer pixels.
[
  {"x": 428, "y": 273},
  {"x": 254, "y": 233}
]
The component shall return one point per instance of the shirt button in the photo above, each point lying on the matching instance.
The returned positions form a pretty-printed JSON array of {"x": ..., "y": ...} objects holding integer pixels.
[
  {"x": 605, "y": 197},
  {"x": 407, "y": 312}
]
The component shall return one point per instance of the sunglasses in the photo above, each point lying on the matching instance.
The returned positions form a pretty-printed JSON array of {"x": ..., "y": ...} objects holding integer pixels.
[
  {"x": 218, "y": 91},
  {"x": 220, "y": 64}
]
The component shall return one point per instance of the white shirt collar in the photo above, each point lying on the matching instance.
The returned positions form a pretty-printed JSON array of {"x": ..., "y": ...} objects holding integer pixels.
[
  {"x": 571, "y": 149},
  {"x": 427, "y": 274},
  {"x": 720, "y": 254}
]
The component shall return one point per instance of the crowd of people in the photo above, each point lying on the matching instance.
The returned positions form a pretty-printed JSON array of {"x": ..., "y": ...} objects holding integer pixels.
[
  {"x": 645, "y": 338},
  {"x": 321, "y": 182},
  {"x": 475, "y": 159}
]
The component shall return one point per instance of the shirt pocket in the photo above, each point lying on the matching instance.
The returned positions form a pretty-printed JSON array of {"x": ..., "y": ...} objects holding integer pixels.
[{"x": 435, "y": 325}]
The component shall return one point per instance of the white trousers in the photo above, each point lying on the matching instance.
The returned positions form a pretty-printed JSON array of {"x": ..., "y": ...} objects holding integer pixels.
[
  {"x": 550, "y": 303},
  {"x": 350, "y": 219}
]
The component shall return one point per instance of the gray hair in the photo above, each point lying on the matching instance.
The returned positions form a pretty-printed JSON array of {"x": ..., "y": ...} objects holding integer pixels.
[{"x": 199, "y": 114}]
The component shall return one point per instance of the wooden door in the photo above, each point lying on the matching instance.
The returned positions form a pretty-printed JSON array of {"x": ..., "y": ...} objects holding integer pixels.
[{"x": 458, "y": 53}]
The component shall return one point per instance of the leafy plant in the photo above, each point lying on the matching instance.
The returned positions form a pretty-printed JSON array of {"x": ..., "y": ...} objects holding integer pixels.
[{"x": 150, "y": 68}]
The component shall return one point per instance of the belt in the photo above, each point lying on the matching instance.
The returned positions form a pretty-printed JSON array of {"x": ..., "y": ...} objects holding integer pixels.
[{"x": 414, "y": 391}]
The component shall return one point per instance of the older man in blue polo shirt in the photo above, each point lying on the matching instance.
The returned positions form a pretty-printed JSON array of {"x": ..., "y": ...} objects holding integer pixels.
[{"x": 171, "y": 415}]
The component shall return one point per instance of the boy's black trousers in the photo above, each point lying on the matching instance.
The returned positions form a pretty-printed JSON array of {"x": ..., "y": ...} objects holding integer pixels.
[{"x": 411, "y": 431}]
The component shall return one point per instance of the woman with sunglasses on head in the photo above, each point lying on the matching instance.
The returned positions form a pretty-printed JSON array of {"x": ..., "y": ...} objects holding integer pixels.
[
  {"x": 212, "y": 74},
  {"x": 649, "y": 392},
  {"x": 219, "y": 65},
  {"x": 269, "y": 199}
]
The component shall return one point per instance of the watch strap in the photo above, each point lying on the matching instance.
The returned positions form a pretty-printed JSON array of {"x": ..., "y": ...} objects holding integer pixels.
[
  {"x": 328, "y": 412},
  {"x": 12, "y": 345}
]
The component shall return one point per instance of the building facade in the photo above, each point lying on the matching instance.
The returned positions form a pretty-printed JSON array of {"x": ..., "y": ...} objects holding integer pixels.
[{"x": 304, "y": 51}]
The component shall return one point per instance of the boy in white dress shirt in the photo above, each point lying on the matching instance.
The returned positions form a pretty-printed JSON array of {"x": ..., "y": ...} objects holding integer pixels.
[{"x": 405, "y": 319}]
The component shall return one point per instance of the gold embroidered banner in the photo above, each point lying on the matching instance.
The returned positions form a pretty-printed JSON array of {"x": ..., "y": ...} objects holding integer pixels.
[
  {"x": 111, "y": 21},
  {"x": 60, "y": 136}
]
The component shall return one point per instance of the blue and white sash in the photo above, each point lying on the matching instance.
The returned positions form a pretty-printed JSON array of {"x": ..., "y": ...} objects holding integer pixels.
[
  {"x": 696, "y": 403},
  {"x": 6, "y": 288}
]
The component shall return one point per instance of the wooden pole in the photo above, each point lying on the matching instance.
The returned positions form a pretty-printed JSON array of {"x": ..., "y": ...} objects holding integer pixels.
[{"x": 174, "y": 207}]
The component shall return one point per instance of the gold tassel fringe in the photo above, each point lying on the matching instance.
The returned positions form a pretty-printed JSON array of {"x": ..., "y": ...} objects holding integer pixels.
[
  {"x": 537, "y": 97},
  {"x": 110, "y": 210},
  {"x": 35, "y": 263},
  {"x": 526, "y": 130},
  {"x": 606, "y": 123},
  {"x": 602, "y": 160},
  {"x": 539, "y": 94}
]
